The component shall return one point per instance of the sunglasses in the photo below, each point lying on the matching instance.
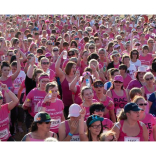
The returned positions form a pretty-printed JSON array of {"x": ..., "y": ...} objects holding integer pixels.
[
  {"x": 1, "y": 97},
  {"x": 45, "y": 81},
  {"x": 55, "y": 50},
  {"x": 96, "y": 126},
  {"x": 135, "y": 53},
  {"x": 117, "y": 82},
  {"x": 151, "y": 78},
  {"x": 10, "y": 55},
  {"x": 91, "y": 48},
  {"x": 98, "y": 85},
  {"x": 45, "y": 63},
  {"x": 98, "y": 110},
  {"x": 119, "y": 38},
  {"x": 43, "y": 41},
  {"x": 70, "y": 54},
  {"x": 142, "y": 104},
  {"x": 116, "y": 55},
  {"x": 137, "y": 45},
  {"x": 17, "y": 42},
  {"x": 48, "y": 122},
  {"x": 49, "y": 44}
]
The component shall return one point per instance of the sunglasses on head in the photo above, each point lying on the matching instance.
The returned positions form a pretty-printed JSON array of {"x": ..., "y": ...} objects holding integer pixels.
[
  {"x": 1, "y": 97},
  {"x": 117, "y": 82},
  {"x": 98, "y": 85},
  {"x": 142, "y": 104},
  {"x": 98, "y": 110},
  {"x": 55, "y": 50},
  {"x": 151, "y": 78},
  {"x": 45, "y": 63}
]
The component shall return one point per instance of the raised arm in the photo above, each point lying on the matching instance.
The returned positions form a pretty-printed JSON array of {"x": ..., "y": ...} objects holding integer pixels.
[
  {"x": 31, "y": 67},
  {"x": 13, "y": 97},
  {"x": 14, "y": 76},
  {"x": 58, "y": 70}
]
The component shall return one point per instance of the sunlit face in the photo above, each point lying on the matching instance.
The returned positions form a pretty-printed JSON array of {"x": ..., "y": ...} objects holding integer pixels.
[
  {"x": 133, "y": 115},
  {"x": 43, "y": 82},
  {"x": 54, "y": 91},
  {"x": 149, "y": 79},
  {"x": 85, "y": 55},
  {"x": 45, "y": 64},
  {"x": 13, "y": 68},
  {"x": 44, "y": 126},
  {"x": 95, "y": 128},
  {"x": 5, "y": 71},
  {"x": 73, "y": 69},
  {"x": 142, "y": 104},
  {"x": 140, "y": 76},
  {"x": 88, "y": 95}
]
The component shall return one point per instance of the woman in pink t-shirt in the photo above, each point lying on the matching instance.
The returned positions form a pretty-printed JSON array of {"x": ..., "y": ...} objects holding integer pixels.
[
  {"x": 98, "y": 109},
  {"x": 146, "y": 118},
  {"x": 40, "y": 128},
  {"x": 118, "y": 94},
  {"x": 105, "y": 100},
  {"x": 128, "y": 127},
  {"x": 69, "y": 129},
  {"x": 5, "y": 113},
  {"x": 85, "y": 80},
  {"x": 34, "y": 96},
  {"x": 150, "y": 86},
  {"x": 53, "y": 106}
]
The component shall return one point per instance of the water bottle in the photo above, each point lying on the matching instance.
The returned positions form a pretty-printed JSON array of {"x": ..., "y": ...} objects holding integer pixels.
[
  {"x": 50, "y": 94},
  {"x": 87, "y": 82},
  {"x": 65, "y": 55},
  {"x": 104, "y": 68}
]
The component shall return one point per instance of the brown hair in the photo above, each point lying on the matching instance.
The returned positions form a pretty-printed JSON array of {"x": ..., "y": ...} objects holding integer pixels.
[
  {"x": 122, "y": 115},
  {"x": 69, "y": 66},
  {"x": 134, "y": 91},
  {"x": 133, "y": 50},
  {"x": 36, "y": 71},
  {"x": 51, "y": 84}
]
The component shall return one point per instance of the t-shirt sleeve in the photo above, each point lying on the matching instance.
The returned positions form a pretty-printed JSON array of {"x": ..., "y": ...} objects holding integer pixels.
[
  {"x": 130, "y": 85},
  {"x": 5, "y": 108},
  {"x": 151, "y": 97}
]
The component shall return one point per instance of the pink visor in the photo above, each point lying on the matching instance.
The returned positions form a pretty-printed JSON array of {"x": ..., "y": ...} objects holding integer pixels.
[{"x": 43, "y": 77}]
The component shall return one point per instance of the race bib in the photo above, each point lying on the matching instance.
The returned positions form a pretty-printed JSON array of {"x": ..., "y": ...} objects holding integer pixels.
[
  {"x": 132, "y": 139},
  {"x": 4, "y": 133},
  {"x": 55, "y": 123},
  {"x": 75, "y": 138},
  {"x": 118, "y": 111}
]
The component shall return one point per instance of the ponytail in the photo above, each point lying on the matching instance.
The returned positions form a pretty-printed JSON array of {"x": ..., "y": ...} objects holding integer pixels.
[{"x": 121, "y": 116}]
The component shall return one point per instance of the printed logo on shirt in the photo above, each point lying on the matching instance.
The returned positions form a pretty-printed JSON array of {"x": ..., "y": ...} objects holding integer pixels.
[
  {"x": 55, "y": 123},
  {"x": 131, "y": 139},
  {"x": 4, "y": 133},
  {"x": 75, "y": 138}
]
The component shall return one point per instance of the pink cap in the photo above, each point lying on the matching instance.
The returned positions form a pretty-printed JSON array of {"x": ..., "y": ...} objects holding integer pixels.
[
  {"x": 47, "y": 21},
  {"x": 74, "y": 110},
  {"x": 43, "y": 77},
  {"x": 118, "y": 78},
  {"x": 86, "y": 73},
  {"x": 48, "y": 55}
]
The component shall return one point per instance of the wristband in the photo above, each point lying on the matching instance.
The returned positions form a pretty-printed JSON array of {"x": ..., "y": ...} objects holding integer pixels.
[
  {"x": 7, "y": 90},
  {"x": 70, "y": 134}
]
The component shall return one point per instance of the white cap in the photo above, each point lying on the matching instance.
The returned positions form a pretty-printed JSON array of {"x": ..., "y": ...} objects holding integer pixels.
[
  {"x": 74, "y": 110},
  {"x": 141, "y": 69}
]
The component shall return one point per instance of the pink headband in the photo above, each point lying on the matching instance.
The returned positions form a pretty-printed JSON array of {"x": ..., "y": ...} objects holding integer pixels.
[
  {"x": 42, "y": 77},
  {"x": 86, "y": 73}
]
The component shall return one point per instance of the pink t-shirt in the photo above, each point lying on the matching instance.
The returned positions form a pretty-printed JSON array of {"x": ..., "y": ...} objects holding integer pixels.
[
  {"x": 4, "y": 123},
  {"x": 34, "y": 96},
  {"x": 126, "y": 81},
  {"x": 145, "y": 60},
  {"x": 150, "y": 122},
  {"x": 55, "y": 110}
]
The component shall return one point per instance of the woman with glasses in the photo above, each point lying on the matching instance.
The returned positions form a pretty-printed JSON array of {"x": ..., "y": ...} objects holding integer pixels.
[
  {"x": 99, "y": 109},
  {"x": 128, "y": 127},
  {"x": 49, "y": 46},
  {"x": 91, "y": 48},
  {"x": 118, "y": 94},
  {"x": 5, "y": 112},
  {"x": 44, "y": 65},
  {"x": 103, "y": 58},
  {"x": 115, "y": 57},
  {"x": 40, "y": 128},
  {"x": 34, "y": 96},
  {"x": 32, "y": 48},
  {"x": 134, "y": 58},
  {"x": 146, "y": 118},
  {"x": 149, "y": 87},
  {"x": 105, "y": 100},
  {"x": 94, "y": 127}
]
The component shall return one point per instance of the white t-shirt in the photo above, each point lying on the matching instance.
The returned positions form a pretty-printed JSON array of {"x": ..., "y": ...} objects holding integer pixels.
[
  {"x": 18, "y": 81},
  {"x": 132, "y": 70},
  {"x": 137, "y": 63}
]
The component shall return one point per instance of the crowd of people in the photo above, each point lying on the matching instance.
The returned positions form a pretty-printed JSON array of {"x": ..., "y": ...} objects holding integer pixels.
[{"x": 78, "y": 77}]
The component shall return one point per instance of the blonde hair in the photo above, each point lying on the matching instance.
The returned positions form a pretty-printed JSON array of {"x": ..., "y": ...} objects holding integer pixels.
[
  {"x": 149, "y": 74},
  {"x": 122, "y": 115},
  {"x": 51, "y": 139},
  {"x": 93, "y": 60},
  {"x": 106, "y": 134},
  {"x": 137, "y": 98}
]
